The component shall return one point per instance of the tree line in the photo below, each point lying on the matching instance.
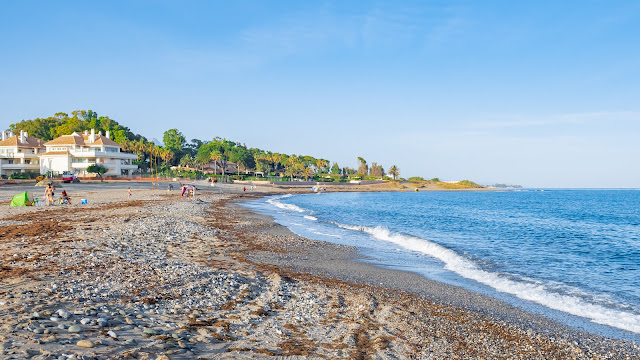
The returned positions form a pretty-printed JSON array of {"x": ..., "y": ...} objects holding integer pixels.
[{"x": 199, "y": 154}]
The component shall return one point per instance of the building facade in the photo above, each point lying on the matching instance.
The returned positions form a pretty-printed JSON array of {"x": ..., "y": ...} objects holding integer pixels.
[
  {"x": 76, "y": 152},
  {"x": 19, "y": 153}
]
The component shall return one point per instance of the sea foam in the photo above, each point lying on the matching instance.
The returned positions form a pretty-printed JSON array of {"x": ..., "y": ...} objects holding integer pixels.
[
  {"x": 274, "y": 201},
  {"x": 535, "y": 292}
]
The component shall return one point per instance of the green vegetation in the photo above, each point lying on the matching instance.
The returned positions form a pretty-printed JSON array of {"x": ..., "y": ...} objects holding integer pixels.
[
  {"x": 199, "y": 158},
  {"x": 415, "y": 178},
  {"x": 464, "y": 184},
  {"x": 97, "y": 169}
]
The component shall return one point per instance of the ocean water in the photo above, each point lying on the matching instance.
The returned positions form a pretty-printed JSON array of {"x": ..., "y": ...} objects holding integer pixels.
[{"x": 573, "y": 255}]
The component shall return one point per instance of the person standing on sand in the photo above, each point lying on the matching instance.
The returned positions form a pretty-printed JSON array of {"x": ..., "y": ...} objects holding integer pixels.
[
  {"x": 130, "y": 195},
  {"x": 48, "y": 194}
]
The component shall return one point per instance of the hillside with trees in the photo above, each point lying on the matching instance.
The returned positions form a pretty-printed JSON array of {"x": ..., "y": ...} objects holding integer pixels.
[{"x": 199, "y": 158}]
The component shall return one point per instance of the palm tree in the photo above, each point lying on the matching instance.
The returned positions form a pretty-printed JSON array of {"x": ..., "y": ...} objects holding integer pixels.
[
  {"x": 215, "y": 156},
  {"x": 307, "y": 172},
  {"x": 291, "y": 171},
  {"x": 394, "y": 171},
  {"x": 186, "y": 161},
  {"x": 363, "y": 169},
  {"x": 321, "y": 164},
  {"x": 276, "y": 158}
]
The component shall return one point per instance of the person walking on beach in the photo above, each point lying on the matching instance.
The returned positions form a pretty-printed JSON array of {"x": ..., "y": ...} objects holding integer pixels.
[{"x": 130, "y": 195}]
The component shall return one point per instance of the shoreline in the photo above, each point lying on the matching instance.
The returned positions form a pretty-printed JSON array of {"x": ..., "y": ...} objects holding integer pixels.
[
  {"x": 346, "y": 263},
  {"x": 165, "y": 277}
]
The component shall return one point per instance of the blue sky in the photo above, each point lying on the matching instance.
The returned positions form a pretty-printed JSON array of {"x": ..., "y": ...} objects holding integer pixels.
[{"x": 539, "y": 93}]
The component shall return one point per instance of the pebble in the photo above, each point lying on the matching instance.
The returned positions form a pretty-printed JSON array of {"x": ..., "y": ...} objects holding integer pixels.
[
  {"x": 64, "y": 314},
  {"x": 75, "y": 328},
  {"x": 85, "y": 321},
  {"x": 112, "y": 334},
  {"x": 149, "y": 331},
  {"x": 85, "y": 343}
]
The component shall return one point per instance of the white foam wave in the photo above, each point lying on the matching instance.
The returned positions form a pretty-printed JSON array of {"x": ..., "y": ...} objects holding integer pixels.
[
  {"x": 309, "y": 217},
  {"x": 535, "y": 292},
  {"x": 323, "y": 234},
  {"x": 274, "y": 201}
]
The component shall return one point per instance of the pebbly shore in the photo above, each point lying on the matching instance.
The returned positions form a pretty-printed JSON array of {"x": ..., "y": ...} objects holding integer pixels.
[{"x": 165, "y": 277}]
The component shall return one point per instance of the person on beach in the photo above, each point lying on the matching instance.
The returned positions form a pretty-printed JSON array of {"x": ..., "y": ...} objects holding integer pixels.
[
  {"x": 65, "y": 198},
  {"x": 244, "y": 188},
  {"x": 48, "y": 193},
  {"x": 130, "y": 194}
]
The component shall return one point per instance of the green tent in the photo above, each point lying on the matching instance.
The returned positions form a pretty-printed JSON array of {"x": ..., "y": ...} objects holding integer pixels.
[{"x": 21, "y": 200}]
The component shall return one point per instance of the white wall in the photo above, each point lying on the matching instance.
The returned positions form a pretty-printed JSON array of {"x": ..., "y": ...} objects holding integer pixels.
[{"x": 54, "y": 163}]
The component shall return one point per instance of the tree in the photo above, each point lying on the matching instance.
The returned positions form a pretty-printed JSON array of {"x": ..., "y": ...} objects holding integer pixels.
[
  {"x": 394, "y": 171},
  {"x": 376, "y": 170},
  {"x": 215, "y": 156},
  {"x": 307, "y": 171},
  {"x": 97, "y": 169},
  {"x": 186, "y": 161},
  {"x": 335, "y": 169},
  {"x": 174, "y": 141},
  {"x": 363, "y": 169},
  {"x": 321, "y": 163}
]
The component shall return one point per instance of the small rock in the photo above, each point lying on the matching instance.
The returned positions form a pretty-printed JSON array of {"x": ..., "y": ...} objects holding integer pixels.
[
  {"x": 112, "y": 334},
  {"x": 75, "y": 328},
  {"x": 85, "y": 343},
  {"x": 51, "y": 338},
  {"x": 85, "y": 321},
  {"x": 149, "y": 331},
  {"x": 62, "y": 326},
  {"x": 64, "y": 314}
]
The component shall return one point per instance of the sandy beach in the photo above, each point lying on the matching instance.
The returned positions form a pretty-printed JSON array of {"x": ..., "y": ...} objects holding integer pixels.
[{"x": 159, "y": 276}]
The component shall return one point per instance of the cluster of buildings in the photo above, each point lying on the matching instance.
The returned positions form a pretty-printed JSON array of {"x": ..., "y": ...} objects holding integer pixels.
[{"x": 66, "y": 154}]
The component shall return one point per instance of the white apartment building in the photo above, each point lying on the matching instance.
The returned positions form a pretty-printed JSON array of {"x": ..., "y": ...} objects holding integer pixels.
[
  {"x": 19, "y": 153},
  {"x": 76, "y": 152}
]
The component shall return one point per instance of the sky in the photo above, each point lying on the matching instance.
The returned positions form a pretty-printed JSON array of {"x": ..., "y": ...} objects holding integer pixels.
[{"x": 535, "y": 93}]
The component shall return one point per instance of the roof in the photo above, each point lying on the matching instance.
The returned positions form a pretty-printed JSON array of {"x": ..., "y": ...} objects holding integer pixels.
[
  {"x": 54, "y": 153},
  {"x": 30, "y": 142},
  {"x": 82, "y": 140},
  {"x": 102, "y": 140},
  {"x": 67, "y": 140}
]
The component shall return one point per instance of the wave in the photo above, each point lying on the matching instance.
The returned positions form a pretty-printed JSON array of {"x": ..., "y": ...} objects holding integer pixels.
[
  {"x": 309, "y": 217},
  {"x": 324, "y": 234},
  {"x": 274, "y": 201},
  {"x": 531, "y": 291}
]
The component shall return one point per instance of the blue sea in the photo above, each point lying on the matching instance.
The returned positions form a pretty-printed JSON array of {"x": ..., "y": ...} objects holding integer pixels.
[{"x": 573, "y": 255}]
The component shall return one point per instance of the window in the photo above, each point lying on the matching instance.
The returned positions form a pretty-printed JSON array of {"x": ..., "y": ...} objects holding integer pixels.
[
  {"x": 111, "y": 149},
  {"x": 27, "y": 161},
  {"x": 79, "y": 160},
  {"x": 10, "y": 161}
]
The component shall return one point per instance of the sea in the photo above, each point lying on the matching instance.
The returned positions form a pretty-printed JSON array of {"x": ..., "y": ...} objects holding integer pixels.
[{"x": 571, "y": 255}]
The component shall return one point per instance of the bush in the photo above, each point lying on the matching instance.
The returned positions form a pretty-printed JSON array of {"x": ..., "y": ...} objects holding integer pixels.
[
  {"x": 415, "y": 178},
  {"x": 25, "y": 175}
]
